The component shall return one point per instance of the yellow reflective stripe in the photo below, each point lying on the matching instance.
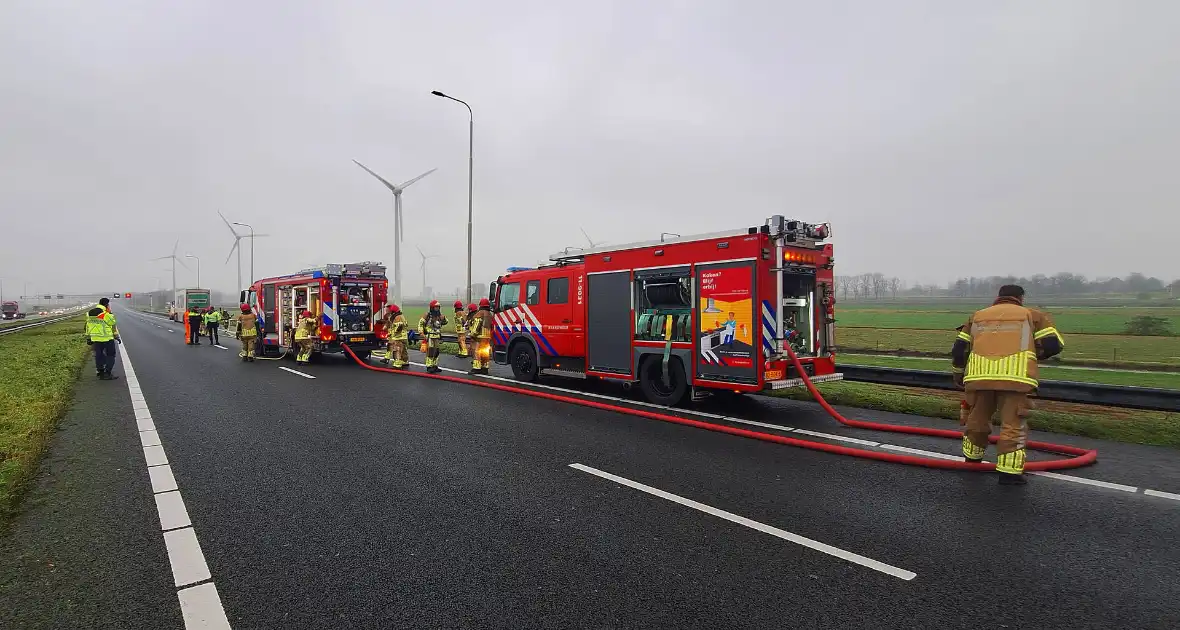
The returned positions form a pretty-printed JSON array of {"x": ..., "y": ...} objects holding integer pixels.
[
  {"x": 1045, "y": 332},
  {"x": 1013, "y": 367},
  {"x": 956, "y": 370},
  {"x": 964, "y": 336},
  {"x": 971, "y": 450},
  {"x": 1011, "y": 463}
]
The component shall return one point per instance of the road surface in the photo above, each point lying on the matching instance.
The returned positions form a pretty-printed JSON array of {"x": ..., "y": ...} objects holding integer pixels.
[{"x": 358, "y": 499}]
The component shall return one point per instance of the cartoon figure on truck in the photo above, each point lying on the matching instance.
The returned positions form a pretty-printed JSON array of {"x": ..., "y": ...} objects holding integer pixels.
[
  {"x": 11, "y": 310},
  {"x": 688, "y": 315}
]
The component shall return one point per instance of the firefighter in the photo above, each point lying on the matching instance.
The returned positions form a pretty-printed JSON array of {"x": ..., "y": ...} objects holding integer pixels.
[
  {"x": 102, "y": 334},
  {"x": 399, "y": 335},
  {"x": 212, "y": 323},
  {"x": 305, "y": 337},
  {"x": 193, "y": 317},
  {"x": 430, "y": 327},
  {"x": 461, "y": 329},
  {"x": 481, "y": 333},
  {"x": 471, "y": 309},
  {"x": 994, "y": 359},
  {"x": 247, "y": 325}
]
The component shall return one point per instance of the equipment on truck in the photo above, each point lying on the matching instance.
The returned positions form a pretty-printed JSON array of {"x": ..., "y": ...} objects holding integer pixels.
[
  {"x": 346, "y": 298},
  {"x": 185, "y": 300},
  {"x": 679, "y": 315},
  {"x": 11, "y": 310}
]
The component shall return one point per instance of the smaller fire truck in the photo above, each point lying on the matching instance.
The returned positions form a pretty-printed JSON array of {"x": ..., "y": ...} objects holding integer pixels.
[
  {"x": 347, "y": 299},
  {"x": 679, "y": 316}
]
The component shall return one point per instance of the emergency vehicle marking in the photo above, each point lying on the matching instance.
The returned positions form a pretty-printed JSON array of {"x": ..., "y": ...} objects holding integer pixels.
[
  {"x": 520, "y": 319},
  {"x": 767, "y": 326}
]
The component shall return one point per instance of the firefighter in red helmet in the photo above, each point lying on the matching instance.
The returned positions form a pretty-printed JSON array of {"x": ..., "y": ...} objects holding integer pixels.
[
  {"x": 247, "y": 327},
  {"x": 470, "y": 321},
  {"x": 305, "y": 337},
  {"x": 399, "y": 335},
  {"x": 461, "y": 329},
  {"x": 431, "y": 327},
  {"x": 481, "y": 333}
]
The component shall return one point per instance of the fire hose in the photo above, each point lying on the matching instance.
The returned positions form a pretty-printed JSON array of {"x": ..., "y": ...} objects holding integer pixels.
[{"x": 1079, "y": 456}]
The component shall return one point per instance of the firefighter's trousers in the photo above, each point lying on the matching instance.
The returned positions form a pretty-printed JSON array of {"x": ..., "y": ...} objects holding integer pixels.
[
  {"x": 1013, "y": 407},
  {"x": 247, "y": 346},
  {"x": 305, "y": 346},
  {"x": 481, "y": 358},
  {"x": 432, "y": 350},
  {"x": 462, "y": 345},
  {"x": 399, "y": 355}
]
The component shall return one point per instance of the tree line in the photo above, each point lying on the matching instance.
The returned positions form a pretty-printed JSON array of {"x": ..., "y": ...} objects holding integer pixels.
[{"x": 877, "y": 286}]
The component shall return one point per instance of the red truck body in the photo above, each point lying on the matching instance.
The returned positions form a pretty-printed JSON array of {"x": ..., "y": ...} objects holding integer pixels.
[{"x": 686, "y": 314}]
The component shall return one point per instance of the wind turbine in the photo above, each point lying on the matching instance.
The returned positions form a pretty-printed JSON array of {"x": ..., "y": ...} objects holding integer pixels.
[
  {"x": 424, "y": 259},
  {"x": 592, "y": 243},
  {"x": 398, "y": 233},
  {"x": 175, "y": 259},
  {"x": 237, "y": 245}
]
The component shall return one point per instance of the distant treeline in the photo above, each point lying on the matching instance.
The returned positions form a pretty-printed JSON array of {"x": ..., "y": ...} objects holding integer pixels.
[{"x": 876, "y": 286}]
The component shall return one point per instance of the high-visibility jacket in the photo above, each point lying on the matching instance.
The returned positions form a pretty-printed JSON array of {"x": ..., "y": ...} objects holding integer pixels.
[
  {"x": 399, "y": 328},
  {"x": 100, "y": 325},
  {"x": 213, "y": 317},
  {"x": 481, "y": 326},
  {"x": 306, "y": 328},
  {"x": 460, "y": 323},
  {"x": 430, "y": 326},
  {"x": 999, "y": 346},
  {"x": 247, "y": 324}
]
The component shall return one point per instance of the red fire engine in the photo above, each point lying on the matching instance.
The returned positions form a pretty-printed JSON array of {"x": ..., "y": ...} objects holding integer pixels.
[
  {"x": 346, "y": 298},
  {"x": 678, "y": 315}
]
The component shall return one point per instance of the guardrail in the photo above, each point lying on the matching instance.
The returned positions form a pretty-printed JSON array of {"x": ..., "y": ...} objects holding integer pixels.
[
  {"x": 8, "y": 330},
  {"x": 1063, "y": 391}
]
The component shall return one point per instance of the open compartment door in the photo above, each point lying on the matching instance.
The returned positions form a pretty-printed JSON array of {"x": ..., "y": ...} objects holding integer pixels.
[{"x": 726, "y": 345}]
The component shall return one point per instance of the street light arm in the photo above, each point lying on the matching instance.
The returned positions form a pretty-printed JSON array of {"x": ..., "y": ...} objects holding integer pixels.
[{"x": 457, "y": 100}]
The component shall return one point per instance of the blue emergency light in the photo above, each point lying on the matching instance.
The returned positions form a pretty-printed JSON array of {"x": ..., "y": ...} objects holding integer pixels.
[{"x": 516, "y": 269}]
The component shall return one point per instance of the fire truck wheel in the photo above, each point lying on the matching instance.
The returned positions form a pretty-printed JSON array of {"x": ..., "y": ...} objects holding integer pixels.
[
  {"x": 653, "y": 386},
  {"x": 524, "y": 362}
]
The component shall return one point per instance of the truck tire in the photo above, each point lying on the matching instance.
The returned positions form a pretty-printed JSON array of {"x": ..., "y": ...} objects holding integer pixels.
[
  {"x": 524, "y": 362},
  {"x": 653, "y": 386}
]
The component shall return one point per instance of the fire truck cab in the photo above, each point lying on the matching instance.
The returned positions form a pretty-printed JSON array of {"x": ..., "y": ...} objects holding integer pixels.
[
  {"x": 679, "y": 316},
  {"x": 347, "y": 299}
]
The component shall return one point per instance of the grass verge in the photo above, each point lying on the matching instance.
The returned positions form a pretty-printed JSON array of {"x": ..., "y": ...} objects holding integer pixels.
[
  {"x": 1156, "y": 428},
  {"x": 38, "y": 368},
  {"x": 1162, "y": 380}
]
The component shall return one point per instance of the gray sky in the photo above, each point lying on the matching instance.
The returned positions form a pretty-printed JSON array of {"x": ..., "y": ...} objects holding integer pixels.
[{"x": 929, "y": 133}]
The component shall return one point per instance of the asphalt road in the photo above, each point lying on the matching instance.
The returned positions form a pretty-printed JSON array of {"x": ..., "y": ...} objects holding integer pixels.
[{"x": 363, "y": 499}]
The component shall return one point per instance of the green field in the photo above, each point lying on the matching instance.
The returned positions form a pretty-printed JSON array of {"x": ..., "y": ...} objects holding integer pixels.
[
  {"x": 1164, "y": 380},
  {"x": 1096, "y": 320}
]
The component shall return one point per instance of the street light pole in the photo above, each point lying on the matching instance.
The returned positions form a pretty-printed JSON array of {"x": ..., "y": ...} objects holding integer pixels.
[
  {"x": 247, "y": 225},
  {"x": 198, "y": 258},
  {"x": 470, "y": 178}
]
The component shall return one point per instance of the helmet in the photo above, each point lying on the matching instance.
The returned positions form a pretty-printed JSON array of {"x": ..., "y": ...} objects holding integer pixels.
[
  {"x": 458, "y": 305},
  {"x": 471, "y": 307},
  {"x": 245, "y": 308},
  {"x": 392, "y": 308},
  {"x": 307, "y": 313},
  {"x": 484, "y": 303},
  {"x": 433, "y": 304}
]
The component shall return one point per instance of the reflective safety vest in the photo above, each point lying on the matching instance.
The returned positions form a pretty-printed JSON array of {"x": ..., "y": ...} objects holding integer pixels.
[
  {"x": 399, "y": 329},
  {"x": 1002, "y": 345},
  {"x": 100, "y": 327},
  {"x": 213, "y": 317}
]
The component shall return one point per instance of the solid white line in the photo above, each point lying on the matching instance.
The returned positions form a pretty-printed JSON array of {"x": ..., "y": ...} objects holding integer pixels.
[
  {"x": 1088, "y": 482},
  {"x": 839, "y": 438},
  {"x": 149, "y": 438},
  {"x": 154, "y": 455},
  {"x": 184, "y": 553},
  {"x": 200, "y": 606},
  {"x": 170, "y": 330},
  {"x": 918, "y": 451},
  {"x": 173, "y": 514},
  {"x": 145, "y": 423},
  {"x": 767, "y": 425},
  {"x": 296, "y": 372},
  {"x": 161, "y": 477},
  {"x": 766, "y": 529},
  {"x": 1162, "y": 495}
]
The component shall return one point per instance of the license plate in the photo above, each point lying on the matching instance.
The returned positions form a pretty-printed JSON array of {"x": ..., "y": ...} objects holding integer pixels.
[
  {"x": 774, "y": 375},
  {"x": 356, "y": 338}
]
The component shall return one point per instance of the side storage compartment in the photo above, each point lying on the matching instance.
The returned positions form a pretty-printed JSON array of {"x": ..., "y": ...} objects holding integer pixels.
[
  {"x": 726, "y": 336},
  {"x": 608, "y": 322}
]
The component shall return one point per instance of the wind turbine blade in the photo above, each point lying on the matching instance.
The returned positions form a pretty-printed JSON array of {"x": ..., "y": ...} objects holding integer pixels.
[
  {"x": 232, "y": 249},
  {"x": 180, "y": 261},
  {"x": 420, "y": 252},
  {"x": 253, "y": 235},
  {"x": 162, "y": 258},
  {"x": 411, "y": 181},
  {"x": 227, "y": 224},
  {"x": 175, "y": 246},
  {"x": 382, "y": 179}
]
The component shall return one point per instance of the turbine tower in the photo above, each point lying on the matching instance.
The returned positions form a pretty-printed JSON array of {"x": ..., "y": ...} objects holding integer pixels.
[
  {"x": 237, "y": 246},
  {"x": 398, "y": 233},
  {"x": 424, "y": 259},
  {"x": 175, "y": 259}
]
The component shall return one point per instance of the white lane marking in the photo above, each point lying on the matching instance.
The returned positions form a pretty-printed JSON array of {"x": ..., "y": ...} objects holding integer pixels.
[
  {"x": 154, "y": 455},
  {"x": 173, "y": 514},
  {"x": 200, "y": 607},
  {"x": 184, "y": 552},
  {"x": 1088, "y": 482},
  {"x": 892, "y": 447},
  {"x": 170, "y": 330},
  {"x": 222, "y": 347},
  {"x": 296, "y": 372},
  {"x": 766, "y": 529},
  {"x": 161, "y": 477},
  {"x": 1162, "y": 495}
]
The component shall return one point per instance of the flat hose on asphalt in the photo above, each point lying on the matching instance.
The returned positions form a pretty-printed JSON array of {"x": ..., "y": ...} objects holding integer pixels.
[{"x": 1083, "y": 456}]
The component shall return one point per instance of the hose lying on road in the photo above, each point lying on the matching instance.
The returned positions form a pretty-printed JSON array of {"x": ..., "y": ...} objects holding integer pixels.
[{"x": 1084, "y": 457}]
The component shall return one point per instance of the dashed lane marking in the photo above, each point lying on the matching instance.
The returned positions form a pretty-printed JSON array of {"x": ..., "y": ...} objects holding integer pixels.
[
  {"x": 1163, "y": 495},
  {"x": 287, "y": 369},
  {"x": 1089, "y": 482},
  {"x": 222, "y": 347},
  {"x": 783, "y": 534}
]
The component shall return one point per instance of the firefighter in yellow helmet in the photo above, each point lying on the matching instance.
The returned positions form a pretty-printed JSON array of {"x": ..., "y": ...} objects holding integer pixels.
[
  {"x": 995, "y": 359},
  {"x": 305, "y": 337},
  {"x": 399, "y": 336},
  {"x": 247, "y": 326},
  {"x": 481, "y": 333},
  {"x": 461, "y": 329},
  {"x": 430, "y": 327}
]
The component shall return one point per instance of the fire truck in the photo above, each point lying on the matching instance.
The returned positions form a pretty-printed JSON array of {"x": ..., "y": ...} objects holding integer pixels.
[
  {"x": 347, "y": 299},
  {"x": 680, "y": 316}
]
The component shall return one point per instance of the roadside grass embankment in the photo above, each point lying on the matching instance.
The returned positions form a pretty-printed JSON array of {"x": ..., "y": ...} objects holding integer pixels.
[{"x": 38, "y": 370}]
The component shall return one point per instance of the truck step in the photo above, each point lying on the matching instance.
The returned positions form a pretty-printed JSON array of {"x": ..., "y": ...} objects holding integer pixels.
[
  {"x": 798, "y": 382},
  {"x": 566, "y": 373}
]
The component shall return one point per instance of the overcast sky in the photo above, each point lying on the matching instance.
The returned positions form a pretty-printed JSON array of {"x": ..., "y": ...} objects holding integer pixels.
[{"x": 940, "y": 138}]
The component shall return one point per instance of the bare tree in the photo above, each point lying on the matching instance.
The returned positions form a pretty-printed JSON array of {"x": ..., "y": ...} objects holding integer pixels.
[{"x": 894, "y": 286}]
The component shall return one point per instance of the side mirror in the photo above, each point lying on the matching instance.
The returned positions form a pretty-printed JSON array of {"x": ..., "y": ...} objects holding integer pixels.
[
  {"x": 492, "y": 296},
  {"x": 242, "y": 297}
]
